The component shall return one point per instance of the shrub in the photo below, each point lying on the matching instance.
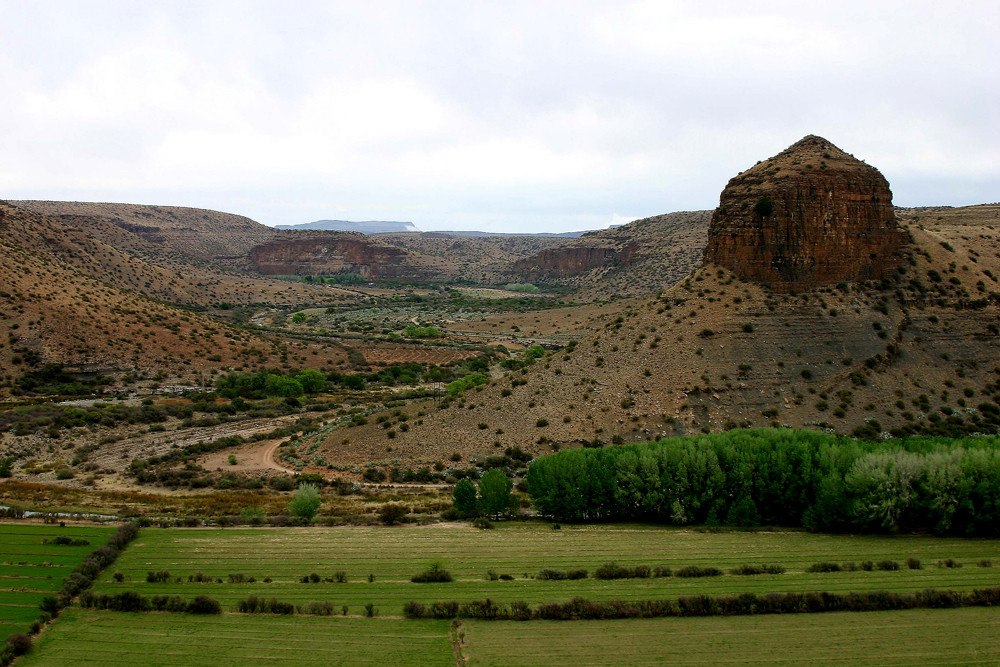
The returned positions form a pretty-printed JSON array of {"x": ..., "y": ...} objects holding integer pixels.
[
  {"x": 824, "y": 567},
  {"x": 18, "y": 643},
  {"x": 157, "y": 577},
  {"x": 482, "y": 523},
  {"x": 413, "y": 609},
  {"x": 549, "y": 574},
  {"x": 698, "y": 571},
  {"x": 305, "y": 502},
  {"x": 764, "y": 207},
  {"x": 887, "y": 565},
  {"x": 612, "y": 570},
  {"x": 914, "y": 564},
  {"x": 433, "y": 574},
  {"x": 392, "y": 513},
  {"x": 748, "y": 569}
]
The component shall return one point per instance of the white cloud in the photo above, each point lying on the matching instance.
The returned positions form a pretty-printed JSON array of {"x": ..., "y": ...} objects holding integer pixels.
[{"x": 514, "y": 114}]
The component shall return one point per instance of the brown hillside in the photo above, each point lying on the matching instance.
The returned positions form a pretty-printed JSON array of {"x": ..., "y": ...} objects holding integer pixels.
[
  {"x": 120, "y": 254},
  {"x": 631, "y": 260},
  {"x": 53, "y": 312},
  {"x": 480, "y": 259},
  {"x": 714, "y": 353},
  {"x": 210, "y": 235}
]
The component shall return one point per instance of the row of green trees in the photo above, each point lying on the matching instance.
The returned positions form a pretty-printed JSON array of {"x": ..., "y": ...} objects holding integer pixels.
[
  {"x": 779, "y": 477},
  {"x": 494, "y": 497}
]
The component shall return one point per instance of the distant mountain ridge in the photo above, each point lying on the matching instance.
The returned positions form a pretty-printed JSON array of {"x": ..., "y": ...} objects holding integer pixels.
[
  {"x": 394, "y": 227},
  {"x": 365, "y": 227}
]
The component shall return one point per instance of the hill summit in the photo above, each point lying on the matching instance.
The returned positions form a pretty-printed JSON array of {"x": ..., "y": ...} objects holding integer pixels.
[{"x": 810, "y": 215}]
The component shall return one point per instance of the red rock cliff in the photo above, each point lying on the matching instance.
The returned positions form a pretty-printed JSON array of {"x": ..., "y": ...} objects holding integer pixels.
[
  {"x": 810, "y": 215},
  {"x": 329, "y": 254}
]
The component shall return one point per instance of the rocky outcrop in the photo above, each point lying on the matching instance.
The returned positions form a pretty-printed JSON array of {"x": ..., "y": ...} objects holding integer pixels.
[
  {"x": 810, "y": 215},
  {"x": 556, "y": 263},
  {"x": 295, "y": 253}
]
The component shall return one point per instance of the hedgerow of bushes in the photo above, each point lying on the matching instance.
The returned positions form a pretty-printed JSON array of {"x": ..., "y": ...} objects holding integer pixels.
[{"x": 704, "y": 605}]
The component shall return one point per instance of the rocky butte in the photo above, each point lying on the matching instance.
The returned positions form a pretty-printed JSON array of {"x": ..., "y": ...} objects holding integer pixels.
[{"x": 810, "y": 215}]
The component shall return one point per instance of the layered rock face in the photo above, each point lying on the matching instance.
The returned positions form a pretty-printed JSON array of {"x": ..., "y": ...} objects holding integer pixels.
[
  {"x": 810, "y": 215},
  {"x": 303, "y": 253},
  {"x": 556, "y": 263}
]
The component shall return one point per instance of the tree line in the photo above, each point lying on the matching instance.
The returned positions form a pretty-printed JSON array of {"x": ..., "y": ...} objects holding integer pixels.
[{"x": 779, "y": 477}]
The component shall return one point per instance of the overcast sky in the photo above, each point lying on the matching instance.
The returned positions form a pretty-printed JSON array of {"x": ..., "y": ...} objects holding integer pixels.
[{"x": 507, "y": 116}]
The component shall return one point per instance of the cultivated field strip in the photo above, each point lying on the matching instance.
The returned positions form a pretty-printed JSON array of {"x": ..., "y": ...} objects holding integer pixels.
[
  {"x": 393, "y": 555},
  {"x": 30, "y": 570},
  {"x": 969, "y": 636},
  {"x": 84, "y": 637}
]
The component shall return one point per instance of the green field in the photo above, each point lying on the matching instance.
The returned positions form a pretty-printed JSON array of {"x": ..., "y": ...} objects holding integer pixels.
[
  {"x": 915, "y": 637},
  {"x": 83, "y": 637},
  {"x": 393, "y": 555},
  {"x": 30, "y": 570}
]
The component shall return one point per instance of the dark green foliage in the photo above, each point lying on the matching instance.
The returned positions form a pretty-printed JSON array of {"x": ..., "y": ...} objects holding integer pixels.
[
  {"x": 434, "y": 574},
  {"x": 204, "y": 605},
  {"x": 464, "y": 496},
  {"x": 549, "y": 574},
  {"x": 613, "y": 570},
  {"x": 764, "y": 207},
  {"x": 495, "y": 497},
  {"x": 751, "y": 569},
  {"x": 392, "y": 513},
  {"x": 824, "y": 567},
  {"x": 779, "y": 477},
  {"x": 743, "y": 604},
  {"x": 157, "y": 577},
  {"x": 18, "y": 643},
  {"x": 695, "y": 571}
]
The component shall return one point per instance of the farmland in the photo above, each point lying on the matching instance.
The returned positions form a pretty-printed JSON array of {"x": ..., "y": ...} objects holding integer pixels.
[
  {"x": 81, "y": 637},
  {"x": 31, "y": 570},
  {"x": 366, "y": 571},
  {"x": 914, "y": 637},
  {"x": 393, "y": 555}
]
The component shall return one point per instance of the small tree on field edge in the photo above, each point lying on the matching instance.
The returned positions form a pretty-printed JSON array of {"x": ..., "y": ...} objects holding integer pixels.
[{"x": 305, "y": 502}]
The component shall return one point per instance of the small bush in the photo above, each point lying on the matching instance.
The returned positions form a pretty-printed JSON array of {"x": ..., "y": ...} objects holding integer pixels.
[
  {"x": 204, "y": 605},
  {"x": 949, "y": 562},
  {"x": 157, "y": 577},
  {"x": 434, "y": 574},
  {"x": 887, "y": 565},
  {"x": 914, "y": 564},
  {"x": 824, "y": 567},
  {"x": 749, "y": 569},
  {"x": 18, "y": 643},
  {"x": 985, "y": 563},
  {"x": 698, "y": 571}
]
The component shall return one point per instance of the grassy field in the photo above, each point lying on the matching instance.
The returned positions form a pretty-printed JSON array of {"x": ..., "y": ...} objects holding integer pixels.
[
  {"x": 393, "y": 555},
  {"x": 914, "y": 637},
  {"x": 83, "y": 637},
  {"x": 30, "y": 570}
]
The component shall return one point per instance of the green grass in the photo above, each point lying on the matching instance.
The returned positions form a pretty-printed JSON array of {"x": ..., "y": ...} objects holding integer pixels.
[
  {"x": 914, "y": 637},
  {"x": 393, "y": 555},
  {"x": 30, "y": 570},
  {"x": 84, "y": 637}
]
